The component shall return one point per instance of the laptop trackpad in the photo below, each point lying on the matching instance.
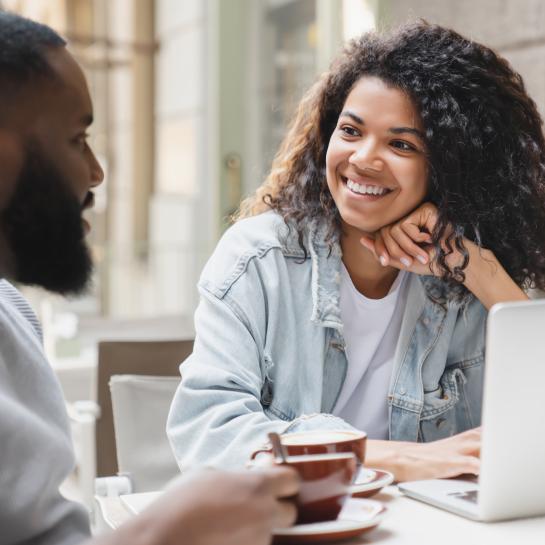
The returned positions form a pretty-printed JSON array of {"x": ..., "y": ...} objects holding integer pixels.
[
  {"x": 458, "y": 495},
  {"x": 468, "y": 495}
]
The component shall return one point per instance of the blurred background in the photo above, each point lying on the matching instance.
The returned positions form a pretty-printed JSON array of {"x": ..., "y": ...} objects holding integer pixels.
[{"x": 192, "y": 98}]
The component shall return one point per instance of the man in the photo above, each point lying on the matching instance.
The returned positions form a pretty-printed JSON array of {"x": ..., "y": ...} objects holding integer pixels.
[{"x": 47, "y": 172}]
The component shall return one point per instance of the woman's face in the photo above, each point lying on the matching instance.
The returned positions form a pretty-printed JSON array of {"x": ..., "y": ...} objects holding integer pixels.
[{"x": 376, "y": 164}]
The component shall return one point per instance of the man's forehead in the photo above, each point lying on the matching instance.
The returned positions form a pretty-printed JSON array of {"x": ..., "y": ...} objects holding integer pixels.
[
  {"x": 61, "y": 99},
  {"x": 69, "y": 87}
]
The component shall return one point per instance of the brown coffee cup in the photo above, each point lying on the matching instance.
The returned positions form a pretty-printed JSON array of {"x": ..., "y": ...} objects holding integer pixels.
[
  {"x": 325, "y": 484},
  {"x": 323, "y": 442}
]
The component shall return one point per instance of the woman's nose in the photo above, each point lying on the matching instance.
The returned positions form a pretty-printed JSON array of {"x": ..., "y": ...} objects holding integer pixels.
[{"x": 367, "y": 156}]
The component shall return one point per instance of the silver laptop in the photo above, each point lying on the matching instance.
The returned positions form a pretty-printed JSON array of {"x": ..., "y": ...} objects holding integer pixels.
[{"x": 511, "y": 483}]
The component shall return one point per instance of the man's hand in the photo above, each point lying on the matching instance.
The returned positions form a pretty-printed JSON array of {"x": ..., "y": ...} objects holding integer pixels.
[{"x": 211, "y": 507}]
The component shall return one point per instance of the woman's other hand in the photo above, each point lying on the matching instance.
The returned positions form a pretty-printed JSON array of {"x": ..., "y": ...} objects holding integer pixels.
[{"x": 442, "y": 459}]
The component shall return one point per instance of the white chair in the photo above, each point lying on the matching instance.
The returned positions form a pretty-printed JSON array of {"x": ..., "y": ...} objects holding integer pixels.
[
  {"x": 140, "y": 407},
  {"x": 133, "y": 409},
  {"x": 81, "y": 484},
  {"x": 145, "y": 357}
]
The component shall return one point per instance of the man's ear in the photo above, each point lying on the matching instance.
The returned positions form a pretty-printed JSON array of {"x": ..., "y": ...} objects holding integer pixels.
[{"x": 11, "y": 162}]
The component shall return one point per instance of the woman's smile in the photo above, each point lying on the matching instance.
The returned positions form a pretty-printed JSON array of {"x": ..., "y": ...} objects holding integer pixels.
[{"x": 369, "y": 190}]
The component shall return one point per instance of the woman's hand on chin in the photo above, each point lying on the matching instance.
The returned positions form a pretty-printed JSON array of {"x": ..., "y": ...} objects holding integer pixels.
[{"x": 406, "y": 244}]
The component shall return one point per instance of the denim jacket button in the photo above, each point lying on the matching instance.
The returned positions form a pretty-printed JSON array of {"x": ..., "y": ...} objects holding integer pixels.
[
  {"x": 402, "y": 391},
  {"x": 426, "y": 321}
]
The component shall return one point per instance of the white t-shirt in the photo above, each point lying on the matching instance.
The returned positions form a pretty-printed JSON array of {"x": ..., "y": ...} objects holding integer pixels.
[{"x": 371, "y": 330}]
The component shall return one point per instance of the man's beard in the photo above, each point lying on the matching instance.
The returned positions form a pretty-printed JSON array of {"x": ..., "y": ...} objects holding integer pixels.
[{"x": 43, "y": 228}]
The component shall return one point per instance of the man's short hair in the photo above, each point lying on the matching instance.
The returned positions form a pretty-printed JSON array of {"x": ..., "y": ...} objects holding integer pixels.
[{"x": 23, "y": 45}]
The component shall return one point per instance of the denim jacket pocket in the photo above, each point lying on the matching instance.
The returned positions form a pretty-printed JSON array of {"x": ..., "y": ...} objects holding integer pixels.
[
  {"x": 267, "y": 390},
  {"x": 440, "y": 415}
]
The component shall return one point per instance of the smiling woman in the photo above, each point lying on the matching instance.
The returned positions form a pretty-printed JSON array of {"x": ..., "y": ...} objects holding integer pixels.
[{"x": 406, "y": 199}]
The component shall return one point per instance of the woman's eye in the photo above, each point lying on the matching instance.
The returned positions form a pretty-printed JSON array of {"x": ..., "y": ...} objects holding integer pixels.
[
  {"x": 349, "y": 131},
  {"x": 403, "y": 146}
]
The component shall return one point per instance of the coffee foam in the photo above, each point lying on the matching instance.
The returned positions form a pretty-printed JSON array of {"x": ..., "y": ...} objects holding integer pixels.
[
  {"x": 319, "y": 437},
  {"x": 319, "y": 457}
]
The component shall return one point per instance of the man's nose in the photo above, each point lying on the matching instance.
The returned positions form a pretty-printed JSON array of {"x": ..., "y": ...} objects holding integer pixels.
[{"x": 97, "y": 174}]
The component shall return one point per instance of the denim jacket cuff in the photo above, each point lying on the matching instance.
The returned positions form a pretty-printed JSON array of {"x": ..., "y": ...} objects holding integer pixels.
[{"x": 318, "y": 422}]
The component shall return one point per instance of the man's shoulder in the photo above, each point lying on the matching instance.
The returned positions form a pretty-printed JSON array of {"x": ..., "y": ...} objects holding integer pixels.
[
  {"x": 13, "y": 302},
  {"x": 248, "y": 240}
]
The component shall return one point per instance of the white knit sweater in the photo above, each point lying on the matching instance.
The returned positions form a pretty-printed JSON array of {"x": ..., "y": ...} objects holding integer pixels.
[{"x": 35, "y": 445}]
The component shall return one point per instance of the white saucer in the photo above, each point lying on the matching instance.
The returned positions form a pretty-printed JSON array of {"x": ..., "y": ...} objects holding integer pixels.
[
  {"x": 370, "y": 482},
  {"x": 357, "y": 516}
]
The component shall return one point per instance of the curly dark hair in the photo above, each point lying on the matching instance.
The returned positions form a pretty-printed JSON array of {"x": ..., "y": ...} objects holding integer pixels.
[
  {"x": 483, "y": 133},
  {"x": 23, "y": 47}
]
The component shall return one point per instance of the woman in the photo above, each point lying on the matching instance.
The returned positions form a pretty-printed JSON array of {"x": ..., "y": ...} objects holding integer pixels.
[{"x": 407, "y": 198}]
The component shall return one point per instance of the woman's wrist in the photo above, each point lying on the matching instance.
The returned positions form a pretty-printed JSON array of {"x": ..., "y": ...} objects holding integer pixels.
[
  {"x": 386, "y": 455},
  {"x": 487, "y": 279}
]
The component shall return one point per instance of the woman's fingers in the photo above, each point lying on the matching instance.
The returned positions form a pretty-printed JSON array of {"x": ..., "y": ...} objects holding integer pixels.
[
  {"x": 400, "y": 244},
  {"x": 453, "y": 467},
  {"x": 413, "y": 231},
  {"x": 376, "y": 247},
  {"x": 408, "y": 244},
  {"x": 472, "y": 448},
  {"x": 382, "y": 252},
  {"x": 466, "y": 464},
  {"x": 444, "y": 458},
  {"x": 466, "y": 452},
  {"x": 369, "y": 243},
  {"x": 394, "y": 249},
  {"x": 425, "y": 217}
]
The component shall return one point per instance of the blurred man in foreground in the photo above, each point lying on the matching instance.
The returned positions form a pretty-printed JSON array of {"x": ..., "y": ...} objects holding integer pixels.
[{"x": 47, "y": 172}]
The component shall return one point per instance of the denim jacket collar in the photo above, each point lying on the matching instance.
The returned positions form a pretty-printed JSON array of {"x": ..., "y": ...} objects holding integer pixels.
[{"x": 326, "y": 266}]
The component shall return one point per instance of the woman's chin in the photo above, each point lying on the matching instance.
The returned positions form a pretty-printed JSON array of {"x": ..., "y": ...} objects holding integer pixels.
[{"x": 354, "y": 227}]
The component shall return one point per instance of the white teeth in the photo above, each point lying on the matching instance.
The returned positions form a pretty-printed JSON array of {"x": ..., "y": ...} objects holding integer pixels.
[{"x": 366, "y": 189}]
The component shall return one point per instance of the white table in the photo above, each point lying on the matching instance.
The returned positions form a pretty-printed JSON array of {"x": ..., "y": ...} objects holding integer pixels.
[{"x": 410, "y": 522}]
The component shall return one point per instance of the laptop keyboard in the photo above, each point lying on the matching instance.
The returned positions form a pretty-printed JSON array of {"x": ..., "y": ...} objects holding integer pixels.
[{"x": 469, "y": 495}]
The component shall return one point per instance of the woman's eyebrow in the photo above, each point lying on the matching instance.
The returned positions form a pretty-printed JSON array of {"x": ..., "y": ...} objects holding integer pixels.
[
  {"x": 353, "y": 116},
  {"x": 410, "y": 130},
  {"x": 394, "y": 130}
]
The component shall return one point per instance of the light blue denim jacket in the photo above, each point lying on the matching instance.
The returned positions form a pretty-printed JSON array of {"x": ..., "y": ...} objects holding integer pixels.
[{"x": 269, "y": 350}]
